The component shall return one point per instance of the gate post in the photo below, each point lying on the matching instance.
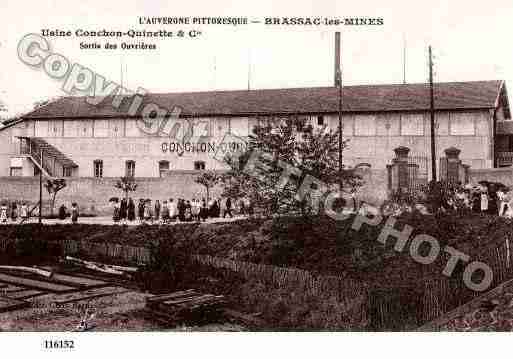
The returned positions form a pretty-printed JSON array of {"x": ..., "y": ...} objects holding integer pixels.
[
  {"x": 455, "y": 171},
  {"x": 402, "y": 175}
]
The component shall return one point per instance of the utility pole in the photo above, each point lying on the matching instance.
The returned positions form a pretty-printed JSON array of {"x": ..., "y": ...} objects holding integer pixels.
[
  {"x": 41, "y": 190},
  {"x": 432, "y": 112},
  {"x": 249, "y": 69},
  {"x": 121, "y": 75},
  {"x": 338, "y": 82},
  {"x": 404, "y": 58}
]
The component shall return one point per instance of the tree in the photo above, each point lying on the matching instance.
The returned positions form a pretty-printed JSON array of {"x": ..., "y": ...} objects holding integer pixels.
[
  {"x": 208, "y": 179},
  {"x": 288, "y": 143},
  {"x": 53, "y": 186},
  {"x": 126, "y": 184}
]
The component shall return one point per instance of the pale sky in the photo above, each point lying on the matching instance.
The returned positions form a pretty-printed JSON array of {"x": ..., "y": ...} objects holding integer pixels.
[{"x": 470, "y": 42}]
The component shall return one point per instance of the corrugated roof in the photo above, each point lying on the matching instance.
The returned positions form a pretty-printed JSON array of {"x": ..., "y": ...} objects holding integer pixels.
[{"x": 361, "y": 98}]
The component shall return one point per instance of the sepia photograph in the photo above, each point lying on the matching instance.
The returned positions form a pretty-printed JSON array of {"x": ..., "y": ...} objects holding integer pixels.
[{"x": 181, "y": 168}]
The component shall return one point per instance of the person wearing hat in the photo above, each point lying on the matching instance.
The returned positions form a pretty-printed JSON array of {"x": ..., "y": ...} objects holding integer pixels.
[
  {"x": 3, "y": 213},
  {"x": 147, "y": 210},
  {"x": 484, "y": 199},
  {"x": 131, "y": 210},
  {"x": 24, "y": 211},
  {"x": 117, "y": 212},
  {"x": 140, "y": 210},
  {"x": 501, "y": 196},
  {"x": 74, "y": 213}
]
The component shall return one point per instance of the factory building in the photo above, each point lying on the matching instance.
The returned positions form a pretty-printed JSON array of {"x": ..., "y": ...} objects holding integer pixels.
[{"x": 79, "y": 139}]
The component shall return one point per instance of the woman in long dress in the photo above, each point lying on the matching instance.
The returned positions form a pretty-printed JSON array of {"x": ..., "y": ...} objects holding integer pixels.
[
  {"x": 172, "y": 209},
  {"x": 140, "y": 210},
  {"x": 131, "y": 209},
  {"x": 24, "y": 211},
  {"x": 203, "y": 210},
  {"x": 116, "y": 215},
  {"x": 14, "y": 212},
  {"x": 3, "y": 213},
  {"x": 484, "y": 201},
  {"x": 74, "y": 213},
  {"x": 147, "y": 210},
  {"x": 195, "y": 208},
  {"x": 187, "y": 212},
  {"x": 507, "y": 199},
  {"x": 123, "y": 209},
  {"x": 165, "y": 212}
]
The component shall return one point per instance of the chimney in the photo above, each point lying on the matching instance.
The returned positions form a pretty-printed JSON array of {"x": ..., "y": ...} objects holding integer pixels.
[{"x": 338, "y": 74}]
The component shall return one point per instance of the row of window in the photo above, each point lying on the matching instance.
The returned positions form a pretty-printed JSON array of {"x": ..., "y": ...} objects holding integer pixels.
[
  {"x": 129, "y": 128},
  {"x": 130, "y": 168},
  {"x": 113, "y": 128},
  {"x": 454, "y": 123}
]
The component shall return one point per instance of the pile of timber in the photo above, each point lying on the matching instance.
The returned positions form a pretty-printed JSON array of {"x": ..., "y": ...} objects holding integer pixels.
[
  {"x": 10, "y": 304},
  {"x": 185, "y": 306},
  {"x": 103, "y": 268},
  {"x": 119, "y": 275},
  {"x": 84, "y": 282},
  {"x": 18, "y": 284}
]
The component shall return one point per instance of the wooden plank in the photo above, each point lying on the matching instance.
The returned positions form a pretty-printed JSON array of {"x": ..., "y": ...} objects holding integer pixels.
[
  {"x": 206, "y": 301},
  {"x": 37, "y": 271},
  {"x": 199, "y": 301},
  {"x": 111, "y": 268},
  {"x": 25, "y": 294},
  {"x": 77, "y": 281},
  {"x": 169, "y": 296},
  {"x": 109, "y": 279},
  {"x": 206, "y": 305},
  {"x": 246, "y": 319},
  {"x": 184, "y": 300},
  {"x": 8, "y": 304},
  {"x": 94, "y": 296},
  {"x": 11, "y": 288},
  {"x": 60, "y": 278},
  {"x": 76, "y": 295},
  {"x": 103, "y": 268},
  {"x": 37, "y": 284}
]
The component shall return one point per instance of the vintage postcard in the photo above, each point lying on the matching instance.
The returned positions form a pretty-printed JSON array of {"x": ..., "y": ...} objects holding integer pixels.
[{"x": 186, "y": 167}]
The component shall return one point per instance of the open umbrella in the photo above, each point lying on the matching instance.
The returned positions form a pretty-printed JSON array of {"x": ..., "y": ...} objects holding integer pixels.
[{"x": 499, "y": 185}]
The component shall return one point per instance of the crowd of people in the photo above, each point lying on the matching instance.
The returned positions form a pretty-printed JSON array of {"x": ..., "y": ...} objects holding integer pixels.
[
  {"x": 20, "y": 212},
  {"x": 144, "y": 211},
  {"x": 486, "y": 198},
  {"x": 491, "y": 198},
  {"x": 182, "y": 210},
  {"x": 13, "y": 212}
]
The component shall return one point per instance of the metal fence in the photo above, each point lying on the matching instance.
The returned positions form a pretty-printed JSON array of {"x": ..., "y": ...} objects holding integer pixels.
[{"x": 418, "y": 178}]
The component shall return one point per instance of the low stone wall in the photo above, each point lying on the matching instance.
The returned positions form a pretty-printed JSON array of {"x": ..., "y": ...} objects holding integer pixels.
[{"x": 92, "y": 194}]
